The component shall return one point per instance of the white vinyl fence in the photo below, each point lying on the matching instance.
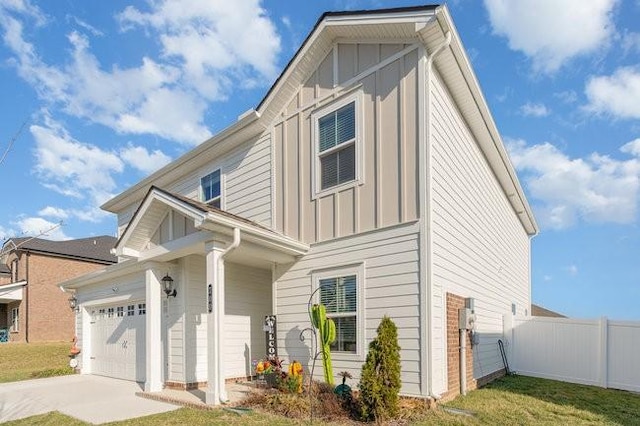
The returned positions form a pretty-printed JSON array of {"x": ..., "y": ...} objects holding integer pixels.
[{"x": 594, "y": 352}]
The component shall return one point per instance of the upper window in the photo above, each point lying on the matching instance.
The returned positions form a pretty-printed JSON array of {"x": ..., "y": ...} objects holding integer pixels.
[
  {"x": 337, "y": 145},
  {"x": 341, "y": 293},
  {"x": 211, "y": 189},
  {"x": 14, "y": 270}
]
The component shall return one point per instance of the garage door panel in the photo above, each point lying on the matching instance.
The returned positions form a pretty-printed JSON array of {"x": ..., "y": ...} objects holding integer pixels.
[{"x": 118, "y": 341}]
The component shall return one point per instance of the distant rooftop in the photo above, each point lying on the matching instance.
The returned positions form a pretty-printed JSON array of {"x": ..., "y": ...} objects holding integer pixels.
[
  {"x": 92, "y": 248},
  {"x": 539, "y": 311}
]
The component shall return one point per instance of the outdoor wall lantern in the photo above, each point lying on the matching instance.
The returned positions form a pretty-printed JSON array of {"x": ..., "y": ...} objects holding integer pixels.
[
  {"x": 167, "y": 283},
  {"x": 73, "y": 302}
]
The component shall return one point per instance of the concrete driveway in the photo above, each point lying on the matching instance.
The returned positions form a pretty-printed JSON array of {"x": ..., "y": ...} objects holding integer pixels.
[{"x": 93, "y": 399}]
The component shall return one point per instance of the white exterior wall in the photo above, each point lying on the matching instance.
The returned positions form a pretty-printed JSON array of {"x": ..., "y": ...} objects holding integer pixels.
[
  {"x": 173, "y": 319},
  {"x": 479, "y": 247},
  {"x": 195, "y": 326},
  {"x": 247, "y": 302},
  {"x": 246, "y": 183},
  {"x": 391, "y": 287}
]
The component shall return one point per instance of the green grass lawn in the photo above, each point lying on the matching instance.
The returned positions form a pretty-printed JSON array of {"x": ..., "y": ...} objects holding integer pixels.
[
  {"x": 21, "y": 361},
  {"x": 515, "y": 400}
]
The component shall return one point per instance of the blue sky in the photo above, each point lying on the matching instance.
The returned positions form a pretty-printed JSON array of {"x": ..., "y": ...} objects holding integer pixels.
[{"x": 110, "y": 91}]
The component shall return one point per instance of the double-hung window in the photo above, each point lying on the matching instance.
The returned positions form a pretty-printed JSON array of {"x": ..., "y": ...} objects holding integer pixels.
[
  {"x": 337, "y": 142},
  {"x": 212, "y": 189},
  {"x": 341, "y": 293},
  {"x": 15, "y": 319}
]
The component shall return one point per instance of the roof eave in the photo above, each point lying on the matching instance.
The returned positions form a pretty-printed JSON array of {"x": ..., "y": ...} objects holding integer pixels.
[{"x": 511, "y": 186}]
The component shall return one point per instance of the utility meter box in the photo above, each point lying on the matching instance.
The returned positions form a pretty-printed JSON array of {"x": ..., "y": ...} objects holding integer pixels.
[{"x": 466, "y": 315}]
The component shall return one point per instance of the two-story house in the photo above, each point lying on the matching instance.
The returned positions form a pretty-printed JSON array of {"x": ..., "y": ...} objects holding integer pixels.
[
  {"x": 371, "y": 177},
  {"x": 32, "y": 307}
]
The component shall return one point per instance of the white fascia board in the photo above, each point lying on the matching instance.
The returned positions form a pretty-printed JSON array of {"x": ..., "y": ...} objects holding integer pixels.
[
  {"x": 260, "y": 236},
  {"x": 511, "y": 185},
  {"x": 101, "y": 275},
  {"x": 382, "y": 18},
  {"x": 13, "y": 286},
  {"x": 184, "y": 208}
]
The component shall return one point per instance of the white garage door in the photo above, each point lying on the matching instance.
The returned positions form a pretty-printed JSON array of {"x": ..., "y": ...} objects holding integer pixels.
[{"x": 118, "y": 341}]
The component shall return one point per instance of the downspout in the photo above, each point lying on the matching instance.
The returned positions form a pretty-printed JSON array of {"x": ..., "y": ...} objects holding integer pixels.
[
  {"x": 426, "y": 234},
  {"x": 234, "y": 245}
]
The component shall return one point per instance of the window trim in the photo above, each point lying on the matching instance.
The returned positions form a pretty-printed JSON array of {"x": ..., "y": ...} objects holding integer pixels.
[
  {"x": 221, "y": 197},
  {"x": 357, "y": 269},
  {"x": 316, "y": 167}
]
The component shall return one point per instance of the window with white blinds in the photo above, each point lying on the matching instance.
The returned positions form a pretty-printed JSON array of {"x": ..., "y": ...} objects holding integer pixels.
[
  {"x": 211, "y": 189},
  {"x": 337, "y": 139},
  {"x": 339, "y": 296}
]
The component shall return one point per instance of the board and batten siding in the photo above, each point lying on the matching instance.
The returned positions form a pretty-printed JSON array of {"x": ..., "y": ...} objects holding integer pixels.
[
  {"x": 388, "y": 193},
  {"x": 246, "y": 183},
  {"x": 479, "y": 246},
  {"x": 391, "y": 287}
]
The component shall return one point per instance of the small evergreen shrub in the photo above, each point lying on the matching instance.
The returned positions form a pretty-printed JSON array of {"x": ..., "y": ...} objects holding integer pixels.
[{"x": 380, "y": 378}]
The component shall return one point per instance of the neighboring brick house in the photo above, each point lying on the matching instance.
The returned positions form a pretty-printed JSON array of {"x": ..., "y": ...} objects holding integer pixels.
[
  {"x": 539, "y": 311},
  {"x": 32, "y": 306}
]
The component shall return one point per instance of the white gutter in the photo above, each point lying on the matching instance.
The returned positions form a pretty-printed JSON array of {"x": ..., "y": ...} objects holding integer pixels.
[{"x": 426, "y": 228}]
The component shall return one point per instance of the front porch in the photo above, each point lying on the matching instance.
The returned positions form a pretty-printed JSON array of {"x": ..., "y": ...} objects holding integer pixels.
[{"x": 210, "y": 328}]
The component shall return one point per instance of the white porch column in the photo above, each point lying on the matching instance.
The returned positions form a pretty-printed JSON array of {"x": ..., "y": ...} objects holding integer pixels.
[
  {"x": 153, "y": 320},
  {"x": 216, "y": 392}
]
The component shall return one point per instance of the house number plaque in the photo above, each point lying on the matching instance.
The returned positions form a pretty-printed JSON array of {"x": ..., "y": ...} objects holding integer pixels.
[
  {"x": 270, "y": 332},
  {"x": 209, "y": 298}
]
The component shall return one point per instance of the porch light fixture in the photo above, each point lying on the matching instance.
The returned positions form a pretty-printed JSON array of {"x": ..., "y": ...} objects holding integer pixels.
[
  {"x": 73, "y": 302},
  {"x": 167, "y": 284}
]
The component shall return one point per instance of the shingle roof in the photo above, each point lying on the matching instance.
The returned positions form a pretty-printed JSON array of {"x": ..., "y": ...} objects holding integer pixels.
[
  {"x": 91, "y": 248},
  {"x": 539, "y": 311}
]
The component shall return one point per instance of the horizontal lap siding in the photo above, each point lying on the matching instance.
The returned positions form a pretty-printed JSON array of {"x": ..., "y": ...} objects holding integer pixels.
[
  {"x": 247, "y": 183},
  {"x": 247, "y": 302},
  {"x": 195, "y": 320},
  {"x": 480, "y": 248},
  {"x": 390, "y": 288}
]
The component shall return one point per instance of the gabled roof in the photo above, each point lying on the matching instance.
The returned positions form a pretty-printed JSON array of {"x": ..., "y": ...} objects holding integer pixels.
[
  {"x": 427, "y": 25},
  {"x": 158, "y": 202},
  {"x": 95, "y": 249}
]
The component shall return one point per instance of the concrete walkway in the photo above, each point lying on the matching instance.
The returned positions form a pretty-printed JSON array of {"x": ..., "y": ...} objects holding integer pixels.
[{"x": 93, "y": 399}]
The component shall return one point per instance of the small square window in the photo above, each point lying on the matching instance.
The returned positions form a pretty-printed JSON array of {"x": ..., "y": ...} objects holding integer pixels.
[
  {"x": 212, "y": 189},
  {"x": 142, "y": 308},
  {"x": 120, "y": 311},
  {"x": 131, "y": 310},
  {"x": 110, "y": 312}
]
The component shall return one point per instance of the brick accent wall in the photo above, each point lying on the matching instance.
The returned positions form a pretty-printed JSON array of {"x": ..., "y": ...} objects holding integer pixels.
[
  {"x": 455, "y": 302},
  {"x": 49, "y": 318}
]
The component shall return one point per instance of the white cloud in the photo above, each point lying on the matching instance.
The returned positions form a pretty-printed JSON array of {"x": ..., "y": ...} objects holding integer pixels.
[
  {"x": 207, "y": 51},
  {"x": 54, "y": 212},
  {"x": 566, "y": 190},
  {"x": 85, "y": 25},
  {"x": 572, "y": 270},
  {"x": 567, "y": 96},
  {"x": 552, "y": 32},
  {"x": 143, "y": 160},
  {"x": 617, "y": 94},
  {"x": 534, "y": 110},
  {"x": 630, "y": 42},
  {"x": 39, "y": 227},
  {"x": 632, "y": 147},
  {"x": 72, "y": 167}
]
